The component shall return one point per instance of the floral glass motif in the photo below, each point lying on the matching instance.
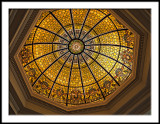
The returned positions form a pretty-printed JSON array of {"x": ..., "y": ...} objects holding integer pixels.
[{"x": 77, "y": 56}]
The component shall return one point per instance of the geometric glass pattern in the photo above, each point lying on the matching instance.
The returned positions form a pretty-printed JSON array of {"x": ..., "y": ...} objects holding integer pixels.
[{"x": 77, "y": 56}]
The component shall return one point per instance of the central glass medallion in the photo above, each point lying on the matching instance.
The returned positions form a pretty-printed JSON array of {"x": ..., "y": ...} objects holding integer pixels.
[{"x": 76, "y": 46}]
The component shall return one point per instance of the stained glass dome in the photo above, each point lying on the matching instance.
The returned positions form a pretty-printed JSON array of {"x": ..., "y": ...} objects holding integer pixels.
[{"x": 77, "y": 56}]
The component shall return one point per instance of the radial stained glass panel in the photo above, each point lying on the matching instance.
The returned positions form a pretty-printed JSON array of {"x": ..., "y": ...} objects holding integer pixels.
[{"x": 77, "y": 56}]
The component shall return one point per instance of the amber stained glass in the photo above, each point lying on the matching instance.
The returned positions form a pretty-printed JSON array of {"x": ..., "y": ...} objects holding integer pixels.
[{"x": 77, "y": 56}]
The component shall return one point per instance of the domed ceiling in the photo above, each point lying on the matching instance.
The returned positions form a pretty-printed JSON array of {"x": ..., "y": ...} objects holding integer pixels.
[{"x": 78, "y": 56}]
